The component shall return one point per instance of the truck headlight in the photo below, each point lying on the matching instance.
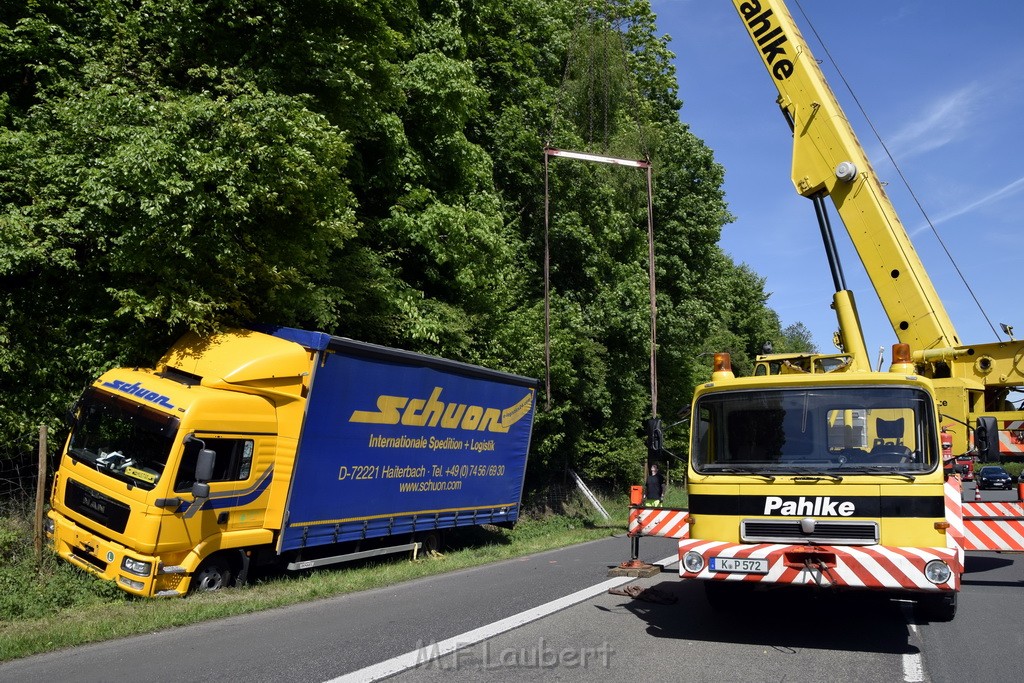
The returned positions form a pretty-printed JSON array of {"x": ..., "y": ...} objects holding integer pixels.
[
  {"x": 693, "y": 561},
  {"x": 937, "y": 571},
  {"x": 137, "y": 567},
  {"x": 48, "y": 526}
]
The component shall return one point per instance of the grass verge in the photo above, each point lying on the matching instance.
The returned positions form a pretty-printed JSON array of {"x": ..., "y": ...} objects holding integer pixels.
[{"x": 53, "y": 606}]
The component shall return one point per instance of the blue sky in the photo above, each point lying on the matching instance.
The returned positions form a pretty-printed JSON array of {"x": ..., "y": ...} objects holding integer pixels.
[{"x": 943, "y": 84}]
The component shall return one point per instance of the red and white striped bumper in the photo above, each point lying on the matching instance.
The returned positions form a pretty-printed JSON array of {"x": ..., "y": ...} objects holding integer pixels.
[{"x": 872, "y": 566}]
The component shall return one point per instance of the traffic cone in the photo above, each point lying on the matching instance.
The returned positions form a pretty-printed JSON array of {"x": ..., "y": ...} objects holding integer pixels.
[{"x": 977, "y": 492}]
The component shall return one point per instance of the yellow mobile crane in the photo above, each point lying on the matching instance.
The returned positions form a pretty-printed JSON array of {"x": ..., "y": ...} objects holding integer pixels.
[
  {"x": 830, "y": 474},
  {"x": 972, "y": 381}
]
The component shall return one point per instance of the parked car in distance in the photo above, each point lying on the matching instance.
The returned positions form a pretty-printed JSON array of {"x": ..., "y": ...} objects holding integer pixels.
[{"x": 994, "y": 477}]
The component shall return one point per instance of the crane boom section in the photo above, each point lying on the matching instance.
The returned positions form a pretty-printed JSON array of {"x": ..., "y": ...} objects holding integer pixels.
[{"x": 829, "y": 160}]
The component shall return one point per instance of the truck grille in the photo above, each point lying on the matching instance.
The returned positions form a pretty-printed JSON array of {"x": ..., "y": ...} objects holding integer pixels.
[
  {"x": 96, "y": 506},
  {"x": 790, "y": 531}
]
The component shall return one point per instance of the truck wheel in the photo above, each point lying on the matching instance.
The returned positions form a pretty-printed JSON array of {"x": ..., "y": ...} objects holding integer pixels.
[
  {"x": 430, "y": 542},
  {"x": 937, "y": 607},
  {"x": 213, "y": 574}
]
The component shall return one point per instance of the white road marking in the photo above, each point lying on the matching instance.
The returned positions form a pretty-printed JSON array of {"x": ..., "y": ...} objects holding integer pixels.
[
  {"x": 913, "y": 668},
  {"x": 913, "y": 664},
  {"x": 434, "y": 651},
  {"x": 669, "y": 561}
]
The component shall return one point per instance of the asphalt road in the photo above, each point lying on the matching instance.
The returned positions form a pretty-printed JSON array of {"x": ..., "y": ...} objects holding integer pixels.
[{"x": 780, "y": 636}]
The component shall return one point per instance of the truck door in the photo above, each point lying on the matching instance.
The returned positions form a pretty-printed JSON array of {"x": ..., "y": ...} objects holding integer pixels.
[{"x": 238, "y": 489}]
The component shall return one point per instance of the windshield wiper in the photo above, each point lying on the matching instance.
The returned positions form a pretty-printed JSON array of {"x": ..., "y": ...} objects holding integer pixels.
[
  {"x": 738, "y": 470},
  {"x": 82, "y": 454},
  {"x": 816, "y": 477},
  {"x": 807, "y": 474},
  {"x": 881, "y": 469}
]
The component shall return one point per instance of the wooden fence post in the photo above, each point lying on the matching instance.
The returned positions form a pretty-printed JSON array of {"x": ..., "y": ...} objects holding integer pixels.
[{"x": 40, "y": 495}]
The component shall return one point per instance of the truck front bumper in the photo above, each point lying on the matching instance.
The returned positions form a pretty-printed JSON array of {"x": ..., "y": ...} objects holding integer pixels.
[
  {"x": 111, "y": 561},
  {"x": 870, "y": 566}
]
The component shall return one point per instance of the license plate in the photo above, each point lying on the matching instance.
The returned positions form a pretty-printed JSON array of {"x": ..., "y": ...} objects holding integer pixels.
[{"x": 741, "y": 565}]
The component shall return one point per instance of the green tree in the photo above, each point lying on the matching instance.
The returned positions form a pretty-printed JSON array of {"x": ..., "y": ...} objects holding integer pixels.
[
  {"x": 796, "y": 338},
  {"x": 134, "y": 209},
  {"x": 368, "y": 169}
]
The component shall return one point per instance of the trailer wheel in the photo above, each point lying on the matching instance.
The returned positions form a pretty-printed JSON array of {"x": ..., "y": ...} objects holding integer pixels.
[
  {"x": 937, "y": 607},
  {"x": 430, "y": 541},
  {"x": 215, "y": 573}
]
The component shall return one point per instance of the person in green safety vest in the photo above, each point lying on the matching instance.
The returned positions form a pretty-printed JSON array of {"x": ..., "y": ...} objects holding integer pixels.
[{"x": 654, "y": 491}]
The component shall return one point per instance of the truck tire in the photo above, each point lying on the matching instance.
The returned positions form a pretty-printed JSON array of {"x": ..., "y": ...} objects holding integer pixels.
[
  {"x": 936, "y": 608},
  {"x": 430, "y": 541},
  {"x": 215, "y": 573}
]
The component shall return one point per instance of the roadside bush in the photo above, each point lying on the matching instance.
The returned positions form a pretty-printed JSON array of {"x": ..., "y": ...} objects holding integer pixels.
[{"x": 28, "y": 590}]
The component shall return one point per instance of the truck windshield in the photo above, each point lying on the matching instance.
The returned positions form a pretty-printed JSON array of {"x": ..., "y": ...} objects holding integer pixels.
[
  {"x": 123, "y": 439},
  {"x": 800, "y": 431}
]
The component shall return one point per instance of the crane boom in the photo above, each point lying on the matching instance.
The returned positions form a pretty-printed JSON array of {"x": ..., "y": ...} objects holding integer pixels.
[
  {"x": 828, "y": 160},
  {"x": 973, "y": 381}
]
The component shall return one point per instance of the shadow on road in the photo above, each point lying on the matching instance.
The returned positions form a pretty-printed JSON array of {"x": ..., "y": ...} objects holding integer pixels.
[
  {"x": 974, "y": 564},
  {"x": 783, "y": 619},
  {"x": 977, "y": 566}
]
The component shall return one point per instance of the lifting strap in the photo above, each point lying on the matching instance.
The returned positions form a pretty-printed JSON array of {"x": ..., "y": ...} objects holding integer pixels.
[{"x": 584, "y": 156}]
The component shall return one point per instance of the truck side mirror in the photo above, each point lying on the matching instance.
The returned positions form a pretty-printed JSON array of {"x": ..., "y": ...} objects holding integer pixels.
[
  {"x": 986, "y": 438},
  {"x": 204, "y": 465},
  {"x": 655, "y": 437},
  {"x": 200, "y": 490},
  {"x": 204, "y": 472}
]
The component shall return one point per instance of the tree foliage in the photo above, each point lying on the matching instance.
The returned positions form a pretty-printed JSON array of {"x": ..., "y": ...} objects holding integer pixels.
[{"x": 367, "y": 169}]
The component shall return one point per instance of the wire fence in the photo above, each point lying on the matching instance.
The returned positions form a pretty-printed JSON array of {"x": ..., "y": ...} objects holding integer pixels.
[
  {"x": 18, "y": 477},
  {"x": 567, "y": 498}
]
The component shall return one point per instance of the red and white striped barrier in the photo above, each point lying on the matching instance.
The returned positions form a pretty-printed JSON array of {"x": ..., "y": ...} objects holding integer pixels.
[
  {"x": 983, "y": 526},
  {"x": 666, "y": 522},
  {"x": 1011, "y": 437},
  {"x": 955, "y": 517},
  {"x": 871, "y": 566},
  {"x": 994, "y": 526}
]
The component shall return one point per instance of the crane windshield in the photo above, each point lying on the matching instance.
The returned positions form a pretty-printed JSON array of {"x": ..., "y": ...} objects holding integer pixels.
[{"x": 837, "y": 430}]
